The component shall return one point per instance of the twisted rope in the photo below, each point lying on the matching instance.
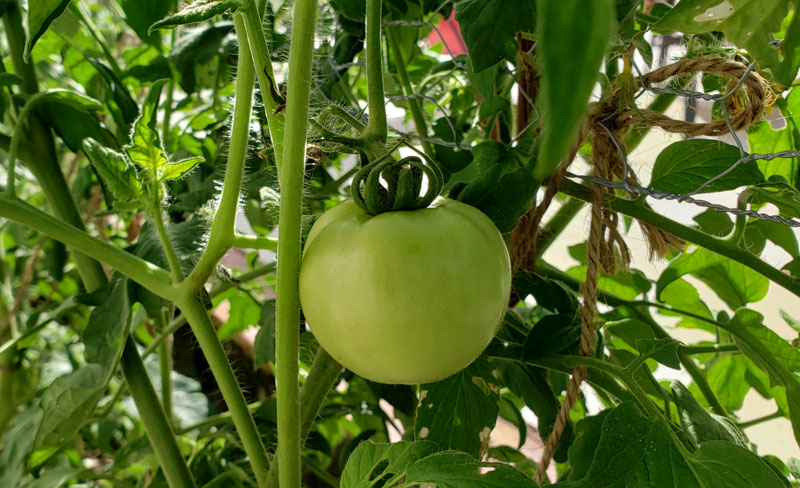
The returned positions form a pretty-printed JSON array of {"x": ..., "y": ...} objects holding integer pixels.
[{"x": 609, "y": 160}]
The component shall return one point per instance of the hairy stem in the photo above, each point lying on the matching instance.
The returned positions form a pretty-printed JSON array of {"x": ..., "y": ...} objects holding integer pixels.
[
  {"x": 165, "y": 365},
  {"x": 226, "y": 380},
  {"x": 376, "y": 130},
  {"x": 222, "y": 229},
  {"x": 321, "y": 378},
  {"x": 251, "y": 25},
  {"x": 288, "y": 299}
]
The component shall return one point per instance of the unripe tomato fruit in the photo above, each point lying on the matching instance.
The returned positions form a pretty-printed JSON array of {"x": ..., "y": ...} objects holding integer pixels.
[{"x": 405, "y": 297}]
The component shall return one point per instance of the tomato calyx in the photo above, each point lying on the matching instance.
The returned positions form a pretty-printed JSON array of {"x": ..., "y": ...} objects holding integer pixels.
[{"x": 403, "y": 184}]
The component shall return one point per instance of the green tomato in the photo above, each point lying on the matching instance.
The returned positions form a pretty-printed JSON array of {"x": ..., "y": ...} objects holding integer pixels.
[{"x": 405, "y": 297}]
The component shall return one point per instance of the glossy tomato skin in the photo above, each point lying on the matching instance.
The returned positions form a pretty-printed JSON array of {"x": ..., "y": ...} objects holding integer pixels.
[{"x": 405, "y": 297}]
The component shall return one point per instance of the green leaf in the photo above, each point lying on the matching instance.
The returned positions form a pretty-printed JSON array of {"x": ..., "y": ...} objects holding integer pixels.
[
  {"x": 663, "y": 350},
  {"x": 701, "y": 426},
  {"x": 530, "y": 384},
  {"x": 565, "y": 28},
  {"x": 498, "y": 181},
  {"x": 123, "y": 108},
  {"x": 371, "y": 462},
  {"x": 727, "y": 377},
  {"x": 452, "y": 469},
  {"x": 734, "y": 283},
  {"x": 194, "y": 12},
  {"x": 746, "y": 23},
  {"x": 764, "y": 140},
  {"x": 194, "y": 50},
  {"x": 625, "y": 284},
  {"x": 484, "y": 81},
  {"x": 719, "y": 463},
  {"x": 41, "y": 13},
  {"x": 681, "y": 295},
  {"x": 71, "y": 399},
  {"x": 778, "y": 192},
  {"x": 634, "y": 450},
  {"x": 264, "y": 348},
  {"x": 145, "y": 148},
  {"x": 173, "y": 171},
  {"x": 141, "y": 14},
  {"x": 72, "y": 116},
  {"x": 552, "y": 334},
  {"x": 549, "y": 294},
  {"x": 772, "y": 354},
  {"x": 17, "y": 442},
  {"x": 780, "y": 235},
  {"x": 10, "y": 79},
  {"x": 459, "y": 412},
  {"x": 118, "y": 175},
  {"x": 489, "y": 28},
  {"x": 242, "y": 314},
  {"x": 684, "y": 165}
]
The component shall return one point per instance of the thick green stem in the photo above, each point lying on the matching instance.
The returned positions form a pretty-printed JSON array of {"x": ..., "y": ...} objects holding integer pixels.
[
  {"x": 289, "y": 231},
  {"x": 760, "y": 420},
  {"x": 405, "y": 81},
  {"x": 252, "y": 26},
  {"x": 376, "y": 130},
  {"x": 143, "y": 272},
  {"x": 212, "y": 349},
  {"x": 12, "y": 21},
  {"x": 321, "y": 378},
  {"x": 221, "y": 234},
  {"x": 715, "y": 349},
  {"x": 637, "y": 209},
  {"x": 157, "y": 427}
]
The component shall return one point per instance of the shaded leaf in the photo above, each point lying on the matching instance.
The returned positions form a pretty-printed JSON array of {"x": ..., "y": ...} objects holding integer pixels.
[
  {"x": 565, "y": 28},
  {"x": 489, "y": 28},
  {"x": 549, "y": 294},
  {"x": 70, "y": 400},
  {"x": 118, "y": 175},
  {"x": 701, "y": 426},
  {"x": 371, "y": 462},
  {"x": 141, "y": 14},
  {"x": 684, "y": 165},
  {"x": 778, "y": 192},
  {"x": 264, "y": 348},
  {"x": 748, "y": 24},
  {"x": 41, "y": 13},
  {"x": 194, "y": 12},
  {"x": 459, "y": 412},
  {"x": 195, "y": 49},
  {"x": 498, "y": 182},
  {"x": 452, "y": 469}
]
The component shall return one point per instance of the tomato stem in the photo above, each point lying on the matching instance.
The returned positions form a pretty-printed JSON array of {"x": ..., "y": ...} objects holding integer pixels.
[
  {"x": 262, "y": 60},
  {"x": 289, "y": 243},
  {"x": 376, "y": 130}
]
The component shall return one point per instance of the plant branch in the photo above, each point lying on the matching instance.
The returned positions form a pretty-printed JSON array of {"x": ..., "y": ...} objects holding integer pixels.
[
  {"x": 222, "y": 228},
  {"x": 251, "y": 26},
  {"x": 321, "y": 378},
  {"x": 157, "y": 427},
  {"x": 376, "y": 130},
  {"x": 243, "y": 241},
  {"x": 637, "y": 209},
  {"x": 288, "y": 300},
  {"x": 761, "y": 420},
  {"x": 212, "y": 349},
  {"x": 143, "y": 272}
]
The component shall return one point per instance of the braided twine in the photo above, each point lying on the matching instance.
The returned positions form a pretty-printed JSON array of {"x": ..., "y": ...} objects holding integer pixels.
[{"x": 607, "y": 122}]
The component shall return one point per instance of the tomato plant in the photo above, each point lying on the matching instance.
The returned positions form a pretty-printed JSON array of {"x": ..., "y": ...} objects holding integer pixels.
[{"x": 361, "y": 243}]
